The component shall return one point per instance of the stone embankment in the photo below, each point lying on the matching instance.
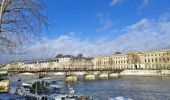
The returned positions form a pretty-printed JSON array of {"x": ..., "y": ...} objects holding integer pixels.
[{"x": 145, "y": 73}]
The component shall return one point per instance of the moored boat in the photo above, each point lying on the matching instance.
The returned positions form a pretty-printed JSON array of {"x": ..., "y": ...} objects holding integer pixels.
[
  {"x": 24, "y": 84},
  {"x": 4, "y": 82},
  {"x": 56, "y": 84},
  {"x": 120, "y": 98},
  {"x": 71, "y": 96}
]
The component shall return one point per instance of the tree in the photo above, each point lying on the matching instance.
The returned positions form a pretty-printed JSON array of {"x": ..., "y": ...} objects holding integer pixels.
[
  {"x": 133, "y": 58},
  {"x": 19, "y": 21}
]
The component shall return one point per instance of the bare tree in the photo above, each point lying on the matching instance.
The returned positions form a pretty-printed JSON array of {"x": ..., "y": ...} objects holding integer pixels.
[
  {"x": 20, "y": 20},
  {"x": 133, "y": 59}
]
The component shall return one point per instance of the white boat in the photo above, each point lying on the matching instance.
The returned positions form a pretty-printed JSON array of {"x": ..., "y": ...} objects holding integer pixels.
[
  {"x": 3, "y": 72},
  {"x": 67, "y": 97},
  {"x": 57, "y": 96},
  {"x": 120, "y": 98},
  {"x": 56, "y": 84},
  {"x": 71, "y": 96},
  {"x": 24, "y": 84},
  {"x": 46, "y": 78}
]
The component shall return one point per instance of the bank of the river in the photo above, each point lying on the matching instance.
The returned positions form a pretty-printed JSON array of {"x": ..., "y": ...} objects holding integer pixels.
[{"x": 145, "y": 73}]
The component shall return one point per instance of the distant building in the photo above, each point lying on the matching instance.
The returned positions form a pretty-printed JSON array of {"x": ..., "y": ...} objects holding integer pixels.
[
  {"x": 59, "y": 62},
  {"x": 150, "y": 60},
  {"x": 134, "y": 60},
  {"x": 118, "y": 53},
  {"x": 59, "y": 56},
  {"x": 79, "y": 55}
]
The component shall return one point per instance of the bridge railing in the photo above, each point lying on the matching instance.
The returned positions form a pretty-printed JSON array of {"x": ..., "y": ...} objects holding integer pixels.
[{"x": 64, "y": 70}]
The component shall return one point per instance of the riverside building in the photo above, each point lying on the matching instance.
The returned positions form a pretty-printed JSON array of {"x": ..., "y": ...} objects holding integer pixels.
[
  {"x": 149, "y": 60},
  {"x": 60, "y": 62}
]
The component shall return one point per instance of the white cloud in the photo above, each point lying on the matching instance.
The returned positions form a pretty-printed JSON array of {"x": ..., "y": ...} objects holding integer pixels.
[
  {"x": 146, "y": 34},
  {"x": 105, "y": 22},
  {"x": 105, "y": 26},
  {"x": 114, "y": 2},
  {"x": 145, "y": 3}
]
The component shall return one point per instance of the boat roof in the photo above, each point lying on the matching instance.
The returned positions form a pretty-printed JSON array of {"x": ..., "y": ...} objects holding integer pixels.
[
  {"x": 3, "y": 72},
  {"x": 120, "y": 98}
]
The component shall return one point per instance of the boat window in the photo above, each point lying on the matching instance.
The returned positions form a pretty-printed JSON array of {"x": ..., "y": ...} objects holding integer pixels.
[{"x": 3, "y": 75}]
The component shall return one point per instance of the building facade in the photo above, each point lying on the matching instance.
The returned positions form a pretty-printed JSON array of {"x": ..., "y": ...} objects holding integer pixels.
[
  {"x": 135, "y": 60},
  {"x": 150, "y": 60},
  {"x": 66, "y": 62}
]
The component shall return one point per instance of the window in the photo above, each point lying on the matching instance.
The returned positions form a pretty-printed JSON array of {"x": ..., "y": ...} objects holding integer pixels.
[{"x": 155, "y": 59}]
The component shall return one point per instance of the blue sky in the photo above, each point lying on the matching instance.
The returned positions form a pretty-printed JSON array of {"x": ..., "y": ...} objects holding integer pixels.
[
  {"x": 87, "y": 18},
  {"x": 100, "y": 27}
]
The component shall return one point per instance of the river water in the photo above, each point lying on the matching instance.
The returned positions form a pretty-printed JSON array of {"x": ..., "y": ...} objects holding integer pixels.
[{"x": 137, "y": 88}]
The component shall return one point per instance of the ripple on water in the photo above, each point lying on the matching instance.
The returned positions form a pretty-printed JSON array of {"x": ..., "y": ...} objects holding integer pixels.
[{"x": 137, "y": 88}]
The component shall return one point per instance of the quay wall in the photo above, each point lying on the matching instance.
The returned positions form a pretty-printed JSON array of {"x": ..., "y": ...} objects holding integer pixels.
[
  {"x": 144, "y": 72},
  {"x": 165, "y": 72}
]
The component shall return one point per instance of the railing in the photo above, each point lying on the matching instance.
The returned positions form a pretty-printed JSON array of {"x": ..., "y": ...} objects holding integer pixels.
[{"x": 65, "y": 70}]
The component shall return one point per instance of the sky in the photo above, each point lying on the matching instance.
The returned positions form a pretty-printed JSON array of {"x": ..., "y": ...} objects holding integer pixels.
[{"x": 100, "y": 27}]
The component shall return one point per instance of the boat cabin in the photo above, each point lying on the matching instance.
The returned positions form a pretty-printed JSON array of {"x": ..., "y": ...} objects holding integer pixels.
[{"x": 4, "y": 83}]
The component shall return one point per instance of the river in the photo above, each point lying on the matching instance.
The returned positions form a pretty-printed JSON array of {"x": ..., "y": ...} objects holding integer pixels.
[{"x": 137, "y": 88}]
